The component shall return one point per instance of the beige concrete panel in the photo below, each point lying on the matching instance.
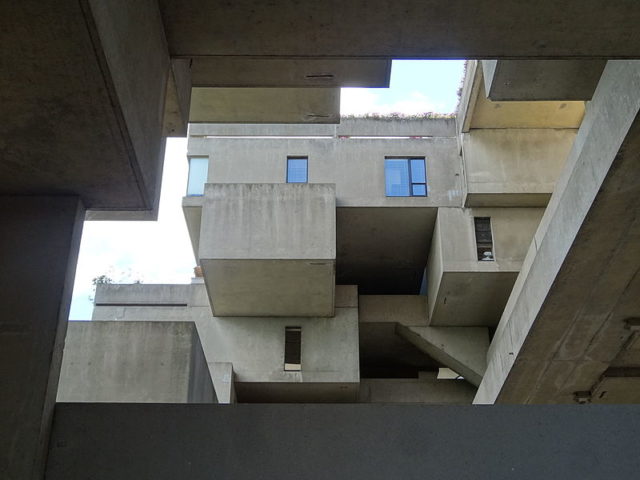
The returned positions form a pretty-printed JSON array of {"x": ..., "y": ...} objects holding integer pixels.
[
  {"x": 151, "y": 362},
  {"x": 265, "y": 288},
  {"x": 515, "y": 162},
  {"x": 265, "y": 105},
  {"x": 402, "y": 309},
  {"x": 223, "y": 381},
  {"x": 462, "y": 349},
  {"x": 346, "y": 296},
  {"x": 545, "y": 114},
  {"x": 227, "y": 71}
]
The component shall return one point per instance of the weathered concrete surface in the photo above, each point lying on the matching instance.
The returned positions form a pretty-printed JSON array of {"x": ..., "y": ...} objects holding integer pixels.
[
  {"x": 192, "y": 210},
  {"x": 368, "y": 127},
  {"x": 426, "y": 389},
  {"x": 129, "y": 442},
  {"x": 402, "y": 309},
  {"x": 265, "y": 105},
  {"x": 408, "y": 28},
  {"x": 462, "y": 349},
  {"x": 178, "y": 99},
  {"x": 115, "y": 294},
  {"x": 463, "y": 291},
  {"x": 38, "y": 250},
  {"x": 564, "y": 322},
  {"x": 83, "y": 95},
  {"x": 269, "y": 249},
  {"x": 254, "y": 346},
  {"x": 513, "y": 167},
  {"x": 212, "y": 71},
  {"x": 142, "y": 362},
  {"x": 537, "y": 80},
  {"x": 475, "y": 110}
]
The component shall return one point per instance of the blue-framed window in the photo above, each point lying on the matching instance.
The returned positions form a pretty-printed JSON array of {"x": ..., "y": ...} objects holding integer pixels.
[
  {"x": 198, "y": 168},
  {"x": 297, "y": 169},
  {"x": 405, "y": 177}
]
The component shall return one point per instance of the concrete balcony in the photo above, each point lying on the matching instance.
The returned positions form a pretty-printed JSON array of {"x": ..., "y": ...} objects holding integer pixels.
[
  {"x": 463, "y": 290},
  {"x": 269, "y": 249}
]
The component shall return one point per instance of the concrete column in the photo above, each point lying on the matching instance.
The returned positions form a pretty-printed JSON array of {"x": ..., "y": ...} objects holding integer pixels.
[{"x": 39, "y": 242}]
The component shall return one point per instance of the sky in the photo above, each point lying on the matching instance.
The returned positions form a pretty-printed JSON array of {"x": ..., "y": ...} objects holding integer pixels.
[{"x": 160, "y": 252}]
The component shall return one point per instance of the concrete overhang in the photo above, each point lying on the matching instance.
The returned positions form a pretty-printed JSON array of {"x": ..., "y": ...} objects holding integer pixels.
[
  {"x": 269, "y": 249},
  {"x": 476, "y": 111},
  {"x": 537, "y": 80},
  {"x": 265, "y": 105},
  {"x": 82, "y": 95},
  {"x": 407, "y": 29},
  {"x": 220, "y": 71},
  {"x": 192, "y": 209}
]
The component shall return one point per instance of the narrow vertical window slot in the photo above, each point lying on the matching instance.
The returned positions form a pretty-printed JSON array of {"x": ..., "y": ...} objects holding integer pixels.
[
  {"x": 484, "y": 238},
  {"x": 293, "y": 349}
]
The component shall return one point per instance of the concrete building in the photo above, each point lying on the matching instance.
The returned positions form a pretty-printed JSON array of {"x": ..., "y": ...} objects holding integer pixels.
[{"x": 90, "y": 90}]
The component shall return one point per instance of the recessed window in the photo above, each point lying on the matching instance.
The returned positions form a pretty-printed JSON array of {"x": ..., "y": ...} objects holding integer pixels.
[
  {"x": 297, "y": 169},
  {"x": 405, "y": 177},
  {"x": 484, "y": 238},
  {"x": 198, "y": 168},
  {"x": 293, "y": 349}
]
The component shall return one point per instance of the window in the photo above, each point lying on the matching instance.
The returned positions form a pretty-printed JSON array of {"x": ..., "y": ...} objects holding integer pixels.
[
  {"x": 484, "y": 239},
  {"x": 297, "y": 169},
  {"x": 292, "y": 349},
  {"x": 198, "y": 168},
  {"x": 405, "y": 177}
]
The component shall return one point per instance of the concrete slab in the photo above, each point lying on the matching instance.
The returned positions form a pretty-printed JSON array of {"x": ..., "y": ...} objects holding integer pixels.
[
  {"x": 265, "y": 105},
  {"x": 373, "y": 442},
  {"x": 409, "y": 29},
  {"x": 142, "y": 362},
  {"x": 537, "y": 80},
  {"x": 225, "y": 71},
  {"x": 462, "y": 349}
]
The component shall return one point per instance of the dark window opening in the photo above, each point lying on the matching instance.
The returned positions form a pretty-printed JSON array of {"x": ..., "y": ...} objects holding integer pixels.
[
  {"x": 293, "y": 349},
  {"x": 484, "y": 239},
  {"x": 297, "y": 169},
  {"x": 405, "y": 177}
]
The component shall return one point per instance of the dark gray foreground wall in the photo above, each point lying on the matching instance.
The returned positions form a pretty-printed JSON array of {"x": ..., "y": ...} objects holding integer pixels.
[{"x": 127, "y": 442}]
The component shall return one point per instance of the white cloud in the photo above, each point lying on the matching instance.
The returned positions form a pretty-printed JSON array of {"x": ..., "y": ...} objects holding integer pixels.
[{"x": 359, "y": 101}]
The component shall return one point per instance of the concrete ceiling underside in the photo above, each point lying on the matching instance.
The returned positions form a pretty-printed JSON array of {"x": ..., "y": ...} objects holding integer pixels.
[
  {"x": 405, "y": 28},
  {"x": 383, "y": 250}
]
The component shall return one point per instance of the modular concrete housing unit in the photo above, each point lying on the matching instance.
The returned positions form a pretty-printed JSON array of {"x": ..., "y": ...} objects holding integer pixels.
[{"x": 513, "y": 264}]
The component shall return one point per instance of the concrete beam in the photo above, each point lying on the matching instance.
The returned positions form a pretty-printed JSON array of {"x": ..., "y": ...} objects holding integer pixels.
[
  {"x": 565, "y": 320},
  {"x": 223, "y": 381},
  {"x": 407, "y": 28},
  {"x": 265, "y": 105},
  {"x": 462, "y": 349},
  {"x": 178, "y": 98},
  {"x": 536, "y": 80},
  {"x": 360, "y": 442},
  {"x": 38, "y": 253},
  {"x": 84, "y": 99},
  {"x": 218, "y": 71}
]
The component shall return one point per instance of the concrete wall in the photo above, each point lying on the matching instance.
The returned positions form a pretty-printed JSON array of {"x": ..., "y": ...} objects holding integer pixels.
[
  {"x": 359, "y": 442},
  {"x": 355, "y": 165},
  {"x": 403, "y": 309},
  {"x": 255, "y": 345},
  {"x": 513, "y": 167},
  {"x": 461, "y": 289},
  {"x": 151, "y": 362}
]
